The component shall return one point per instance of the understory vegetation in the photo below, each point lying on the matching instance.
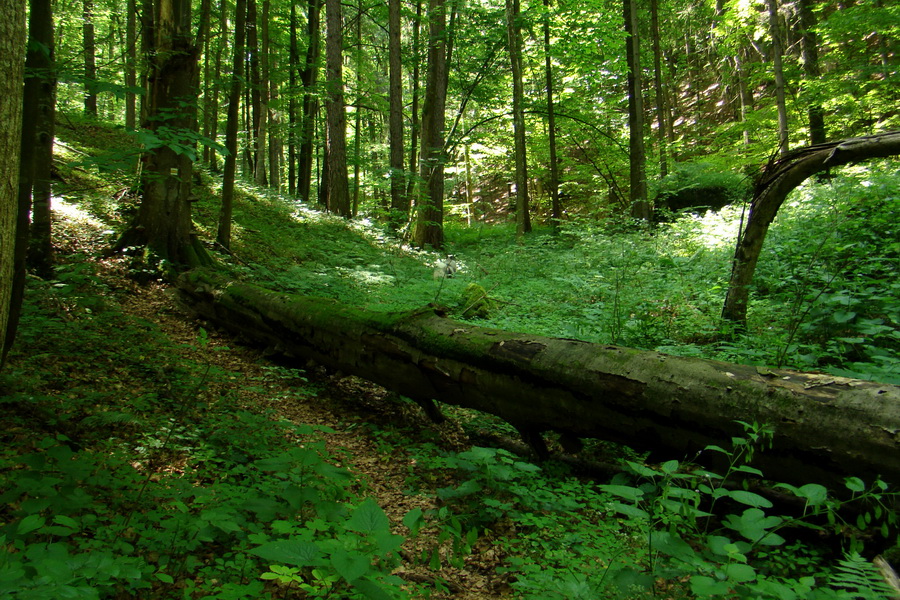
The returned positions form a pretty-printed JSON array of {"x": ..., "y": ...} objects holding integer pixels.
[{"x": 138, "y": 465}]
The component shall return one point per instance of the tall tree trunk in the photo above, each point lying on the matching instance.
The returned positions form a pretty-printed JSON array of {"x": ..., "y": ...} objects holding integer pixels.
[
  {"x": 223, "y": 237},
  {"x": 254, "y": 88},
  {"x": 293, "y": 63},
  {"x": 661, "y": 135},
  {"x": 308, "y": 79},
  {"x": 262, "y": 128},
  {"x": 130, "y": 64},
  {"x": 640, "y": 207},
  {"x": 399, "y": 201},
  {"x": 810, "y": 54},
  {"x": 12, "y": 276},
  {"x": 40, "y": 63},
  {"x": 429, "y": 229},
  {"x": 414, "y": 125},
  {"x": 163, "y": 222},
  {"x": 746, "y": 94},
  {"x": 777, "y": 51},
  {"x": 90, "y": 66},
  {"x": 337, "y": 187},
  {"x": 146, "y": 47},
  {"x": 214, "y": 104},
  {"x": 553, "y": 186},
  {"x": 357, "y": 118},
  {"x": 513, "y": 34}
]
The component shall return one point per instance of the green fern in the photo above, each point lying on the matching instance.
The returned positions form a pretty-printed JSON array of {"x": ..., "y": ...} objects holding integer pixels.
[{"x": 861, "y": 579}]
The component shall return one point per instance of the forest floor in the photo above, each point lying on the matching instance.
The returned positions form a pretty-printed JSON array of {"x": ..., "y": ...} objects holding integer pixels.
[{"x": 352, "y": 413}]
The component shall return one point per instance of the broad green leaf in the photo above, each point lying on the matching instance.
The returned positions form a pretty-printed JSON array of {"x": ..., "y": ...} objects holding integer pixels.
[
  {"x": 740, "y": 573},
  {"x": 350, "y": 566},
  {"x": 30, "y": 523},
  {"x": 370, "y": 589},
  {"x": 289, "y": 552},
  {"x": 749, "y": 498},
  {"x": 368, "y": 517},
  {"x": 623, "y": 491},
  {"x": 707, "y": 587},
  {"x": 855, "y": 484},
  {"x": 414, "y": 520}
]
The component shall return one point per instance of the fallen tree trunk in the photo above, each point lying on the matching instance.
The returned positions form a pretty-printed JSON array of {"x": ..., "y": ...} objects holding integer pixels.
[{"x": 826, "y": 427}]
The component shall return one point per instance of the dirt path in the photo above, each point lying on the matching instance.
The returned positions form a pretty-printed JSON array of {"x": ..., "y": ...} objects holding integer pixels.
[{"x": 346, "y": 405}]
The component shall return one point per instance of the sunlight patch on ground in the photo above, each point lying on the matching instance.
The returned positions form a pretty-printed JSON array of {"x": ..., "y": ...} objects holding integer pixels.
[{"x": 64, "y": 209}]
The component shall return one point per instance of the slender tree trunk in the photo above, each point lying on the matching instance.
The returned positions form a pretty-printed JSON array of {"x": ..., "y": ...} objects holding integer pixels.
[
  {"x": 357, "y": 120},
  {"x": 429, "y": 229},
  {"x": 214, "y": 104},
  {"x": 12, "y": 276},
  {"x": 775, "y": 32},
  {"x": 337, "y": 187},
  {"x": 146, "y": 45},
  {"x": 640, "y": 207},
  {"x": 523, "y": 217},
  {"x": 255, "y": 88},
  {"x": 309, "y": 78},
  {"x": 223, "y": 237},
  {"x": 40, "y": 63},
  {"x": 414, "y": 126},
  {"x": 555, "y": 206},
  {"x": 399, "y": 201},
  {"x": 130, "y": 64},
  {"x": 262, "y": 128},
  {"x": 293, "y": 62},
  {"x": 90, "y": 67},
  {"x": 746, "y": 95},
  {"x": 810, "y": 55},
  {"x": 659, "y": 89}
]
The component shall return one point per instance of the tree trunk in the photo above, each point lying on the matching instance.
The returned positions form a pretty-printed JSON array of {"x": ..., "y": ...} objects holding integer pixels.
[
  {"x": 779, "y": 178},
  {"x": 414, "y": 126},
  {"x": 163, "y": 222},
  {"x": 262, "y": 174},
  {"x": 12, "y": 280},
  {"x": 640, "y": 207},
  {"x": 429, "y": 230},
  {"x": 254, "y": 87},
  {"x": 223, "y": 237},
  {"x": 810, "y": 53},
  {"x": 40, "y": 63},
  {"x": 130, "y": 64},
  {"x": 337, "y": 187},
  {"x": 90, "y": 68},
  {"x": 661, "y": 134},
  {"x": 308, "y": 79},
  {"x": 778, "y": 69},
  {"x": 293, "y": 62},
  {"x": 553, "y": 185},
  {"x": 826, "y": 427},
  {"x": 399, "y": 199},
  {"x": 513, "y": 34}
]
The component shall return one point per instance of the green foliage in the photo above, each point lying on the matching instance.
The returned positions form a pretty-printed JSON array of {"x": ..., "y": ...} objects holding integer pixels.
[{"x": 171, "y": 487}]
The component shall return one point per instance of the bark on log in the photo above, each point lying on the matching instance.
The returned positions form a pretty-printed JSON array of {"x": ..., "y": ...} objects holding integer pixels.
[
  {"x": 826, "y": 427},
  {"x": 777, "y": 181}
]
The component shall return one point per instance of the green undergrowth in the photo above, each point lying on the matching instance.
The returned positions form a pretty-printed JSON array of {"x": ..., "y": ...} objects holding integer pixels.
[
  {"x": 826, "y": 295},
  {"x": 133, "y": 468}
]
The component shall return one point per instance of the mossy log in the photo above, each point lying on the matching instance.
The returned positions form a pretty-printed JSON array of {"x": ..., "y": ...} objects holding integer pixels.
[{"x": 826, "y": 427}]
